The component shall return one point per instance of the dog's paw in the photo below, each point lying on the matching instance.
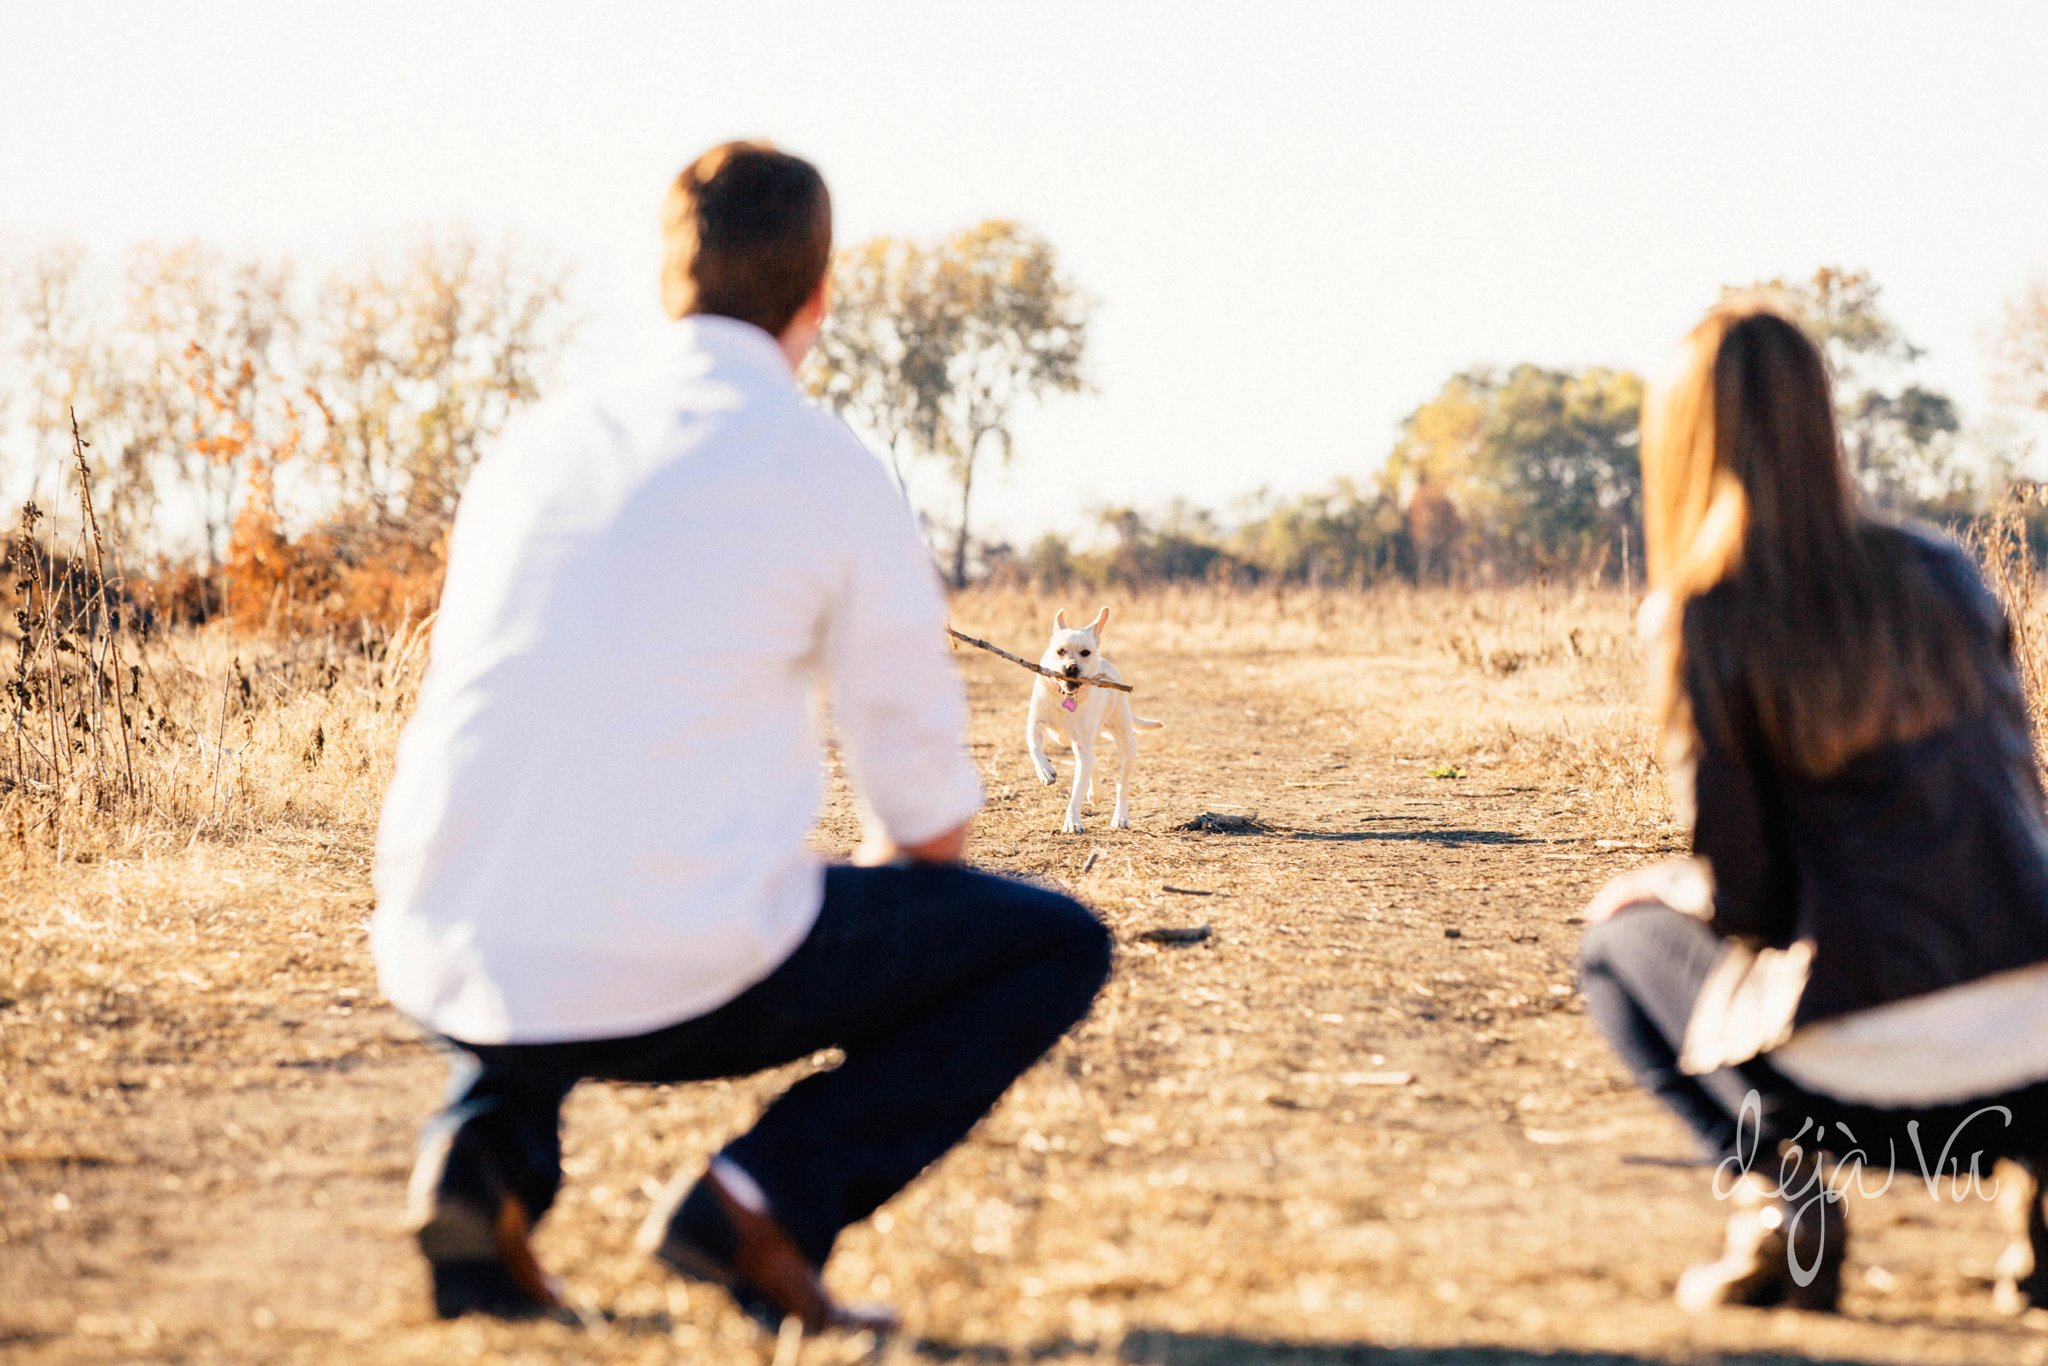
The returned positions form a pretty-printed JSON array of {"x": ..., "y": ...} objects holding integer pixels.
[
  {"x": 1072, "y": 826},
  {"x": 1120, "y": 821},
  {"x": 1047, "y": 774}
]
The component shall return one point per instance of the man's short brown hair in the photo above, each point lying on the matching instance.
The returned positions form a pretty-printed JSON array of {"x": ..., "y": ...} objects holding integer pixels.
[{"x": 747, "y": 234}]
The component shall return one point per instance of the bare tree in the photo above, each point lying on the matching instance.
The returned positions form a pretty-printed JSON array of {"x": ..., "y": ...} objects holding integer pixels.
[
  {"x": 422, "y": 360},
  {"x": 935, "y": 349},
  {"x": 212, "y": 367},
  {"x": 55, "y": 349},
  {"x": 196, "y": 373},
  {"x": 2021, "y": 348}
]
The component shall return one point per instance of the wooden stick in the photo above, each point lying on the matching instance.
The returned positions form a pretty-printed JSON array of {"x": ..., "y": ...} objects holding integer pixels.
[{"x": 1041, "y": 672}]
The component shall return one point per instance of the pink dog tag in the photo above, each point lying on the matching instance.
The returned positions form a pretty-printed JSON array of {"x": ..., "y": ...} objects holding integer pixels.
[{"x": 1068, "y": 704}]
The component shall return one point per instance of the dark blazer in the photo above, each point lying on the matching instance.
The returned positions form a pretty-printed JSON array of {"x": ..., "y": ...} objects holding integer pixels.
[{"x": 1917, "y": 866}]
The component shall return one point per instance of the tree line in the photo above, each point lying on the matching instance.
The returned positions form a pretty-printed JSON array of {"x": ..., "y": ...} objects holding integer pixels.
[
  {"x": 270, "y": 435},
  {"x": 934, "y": 347},
  {"x": 257, "y": 427},
  {"x": 1527, "y": 470}
]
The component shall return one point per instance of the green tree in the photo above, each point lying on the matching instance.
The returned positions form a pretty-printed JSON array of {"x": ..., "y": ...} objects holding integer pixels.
[
  {"x": 1520, "y": 470},
  {"x": 1344, "y": 534},
  {"x": 1050, "y": 561},
  {"x": 1180, "y": 543},
  {"x": 1905, "y": 445},
  {"x": 1567, "y": 448},
  {"x": 934, "y": 349}
]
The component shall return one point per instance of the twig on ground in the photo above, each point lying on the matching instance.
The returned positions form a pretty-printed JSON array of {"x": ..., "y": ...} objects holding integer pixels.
[
  {"x": 1041, "y": 672},
  {"x": 1178, "y": 936},
  {"x": 1222, "y": 823}
]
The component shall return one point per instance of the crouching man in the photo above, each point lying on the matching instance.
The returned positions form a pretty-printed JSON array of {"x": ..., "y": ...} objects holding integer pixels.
[{"x": 593, "y": 860}]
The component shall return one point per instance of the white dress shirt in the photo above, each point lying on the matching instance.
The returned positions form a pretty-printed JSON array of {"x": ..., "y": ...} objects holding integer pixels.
[{"x": 600, "y": 817}]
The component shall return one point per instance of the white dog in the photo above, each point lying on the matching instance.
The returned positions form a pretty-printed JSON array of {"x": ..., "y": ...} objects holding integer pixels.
[{"x": 1076, "y": 715}]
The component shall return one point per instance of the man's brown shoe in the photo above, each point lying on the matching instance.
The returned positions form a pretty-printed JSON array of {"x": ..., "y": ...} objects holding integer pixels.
[
  {"x": 704, "y": 1234},
  {"x": 477, "y": 1250}
]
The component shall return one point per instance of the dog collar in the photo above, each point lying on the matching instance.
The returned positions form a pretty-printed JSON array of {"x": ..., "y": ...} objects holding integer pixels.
[{"x": 1069, "y": 703}]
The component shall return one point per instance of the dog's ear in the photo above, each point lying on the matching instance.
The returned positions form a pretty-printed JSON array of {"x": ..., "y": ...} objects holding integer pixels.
[
  {"x": 1101, "y": 620},
  {"x": 1059, "y": 620}
]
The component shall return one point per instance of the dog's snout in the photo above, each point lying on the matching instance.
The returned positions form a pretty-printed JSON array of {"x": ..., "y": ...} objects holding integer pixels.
[{"x": 1073, "y": 670}]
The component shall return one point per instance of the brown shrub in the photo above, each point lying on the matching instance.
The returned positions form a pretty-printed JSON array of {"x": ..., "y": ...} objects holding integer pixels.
[{"x": 355, "y": 578}]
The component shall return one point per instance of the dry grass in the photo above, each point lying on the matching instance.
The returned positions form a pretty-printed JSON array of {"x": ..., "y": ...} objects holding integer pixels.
[
  {"x": 205, "y": 1111},
  {"x": 117, "y": 739},
  {"x": 2004, "y": 546},
  {"x": 234, "y": 739}
]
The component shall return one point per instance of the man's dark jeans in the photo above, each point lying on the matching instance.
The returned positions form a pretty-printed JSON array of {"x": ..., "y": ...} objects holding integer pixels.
[
  {"x": 1640, "y": 973},
  {"x": 939, "y": 984}
]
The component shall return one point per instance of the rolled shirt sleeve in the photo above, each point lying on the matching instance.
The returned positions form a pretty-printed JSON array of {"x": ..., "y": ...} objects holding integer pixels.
[{"x": 899, "y": 706}]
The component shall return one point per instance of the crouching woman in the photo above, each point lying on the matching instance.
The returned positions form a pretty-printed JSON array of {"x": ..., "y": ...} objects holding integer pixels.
[{"x": 1853, "y": 967}]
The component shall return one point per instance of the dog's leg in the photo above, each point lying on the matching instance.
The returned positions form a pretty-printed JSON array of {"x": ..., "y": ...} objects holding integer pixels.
[
  {"x": 1084, "y": 782},
  {"x": 1126, "y": 755},
  {"x": 1093, "y": 774},
  {"x": 1034, "y": 743}
]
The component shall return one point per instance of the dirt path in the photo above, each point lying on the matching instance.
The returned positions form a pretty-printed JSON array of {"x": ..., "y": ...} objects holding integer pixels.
[{"x": 207, "y": 1111}]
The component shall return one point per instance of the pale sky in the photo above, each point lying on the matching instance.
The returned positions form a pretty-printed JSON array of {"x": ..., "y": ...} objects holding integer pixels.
[{"x": 1299, "y": 218}]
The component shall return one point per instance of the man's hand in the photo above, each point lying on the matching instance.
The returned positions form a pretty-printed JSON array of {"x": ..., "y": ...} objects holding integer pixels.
[
  {"x": 877, "y": 848},
  {"x": 1682, "y": 884}
]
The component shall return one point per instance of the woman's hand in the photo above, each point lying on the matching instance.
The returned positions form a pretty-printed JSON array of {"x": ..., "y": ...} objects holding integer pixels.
[{"x": 1682, "y": 884}]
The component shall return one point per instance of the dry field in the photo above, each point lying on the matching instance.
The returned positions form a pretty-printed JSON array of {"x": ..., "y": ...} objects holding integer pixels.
[{"x": 1364, "y": 1121}]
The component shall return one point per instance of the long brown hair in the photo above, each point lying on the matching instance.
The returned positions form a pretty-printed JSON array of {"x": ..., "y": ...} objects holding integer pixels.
[{"x": 1823, "y": 622}]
